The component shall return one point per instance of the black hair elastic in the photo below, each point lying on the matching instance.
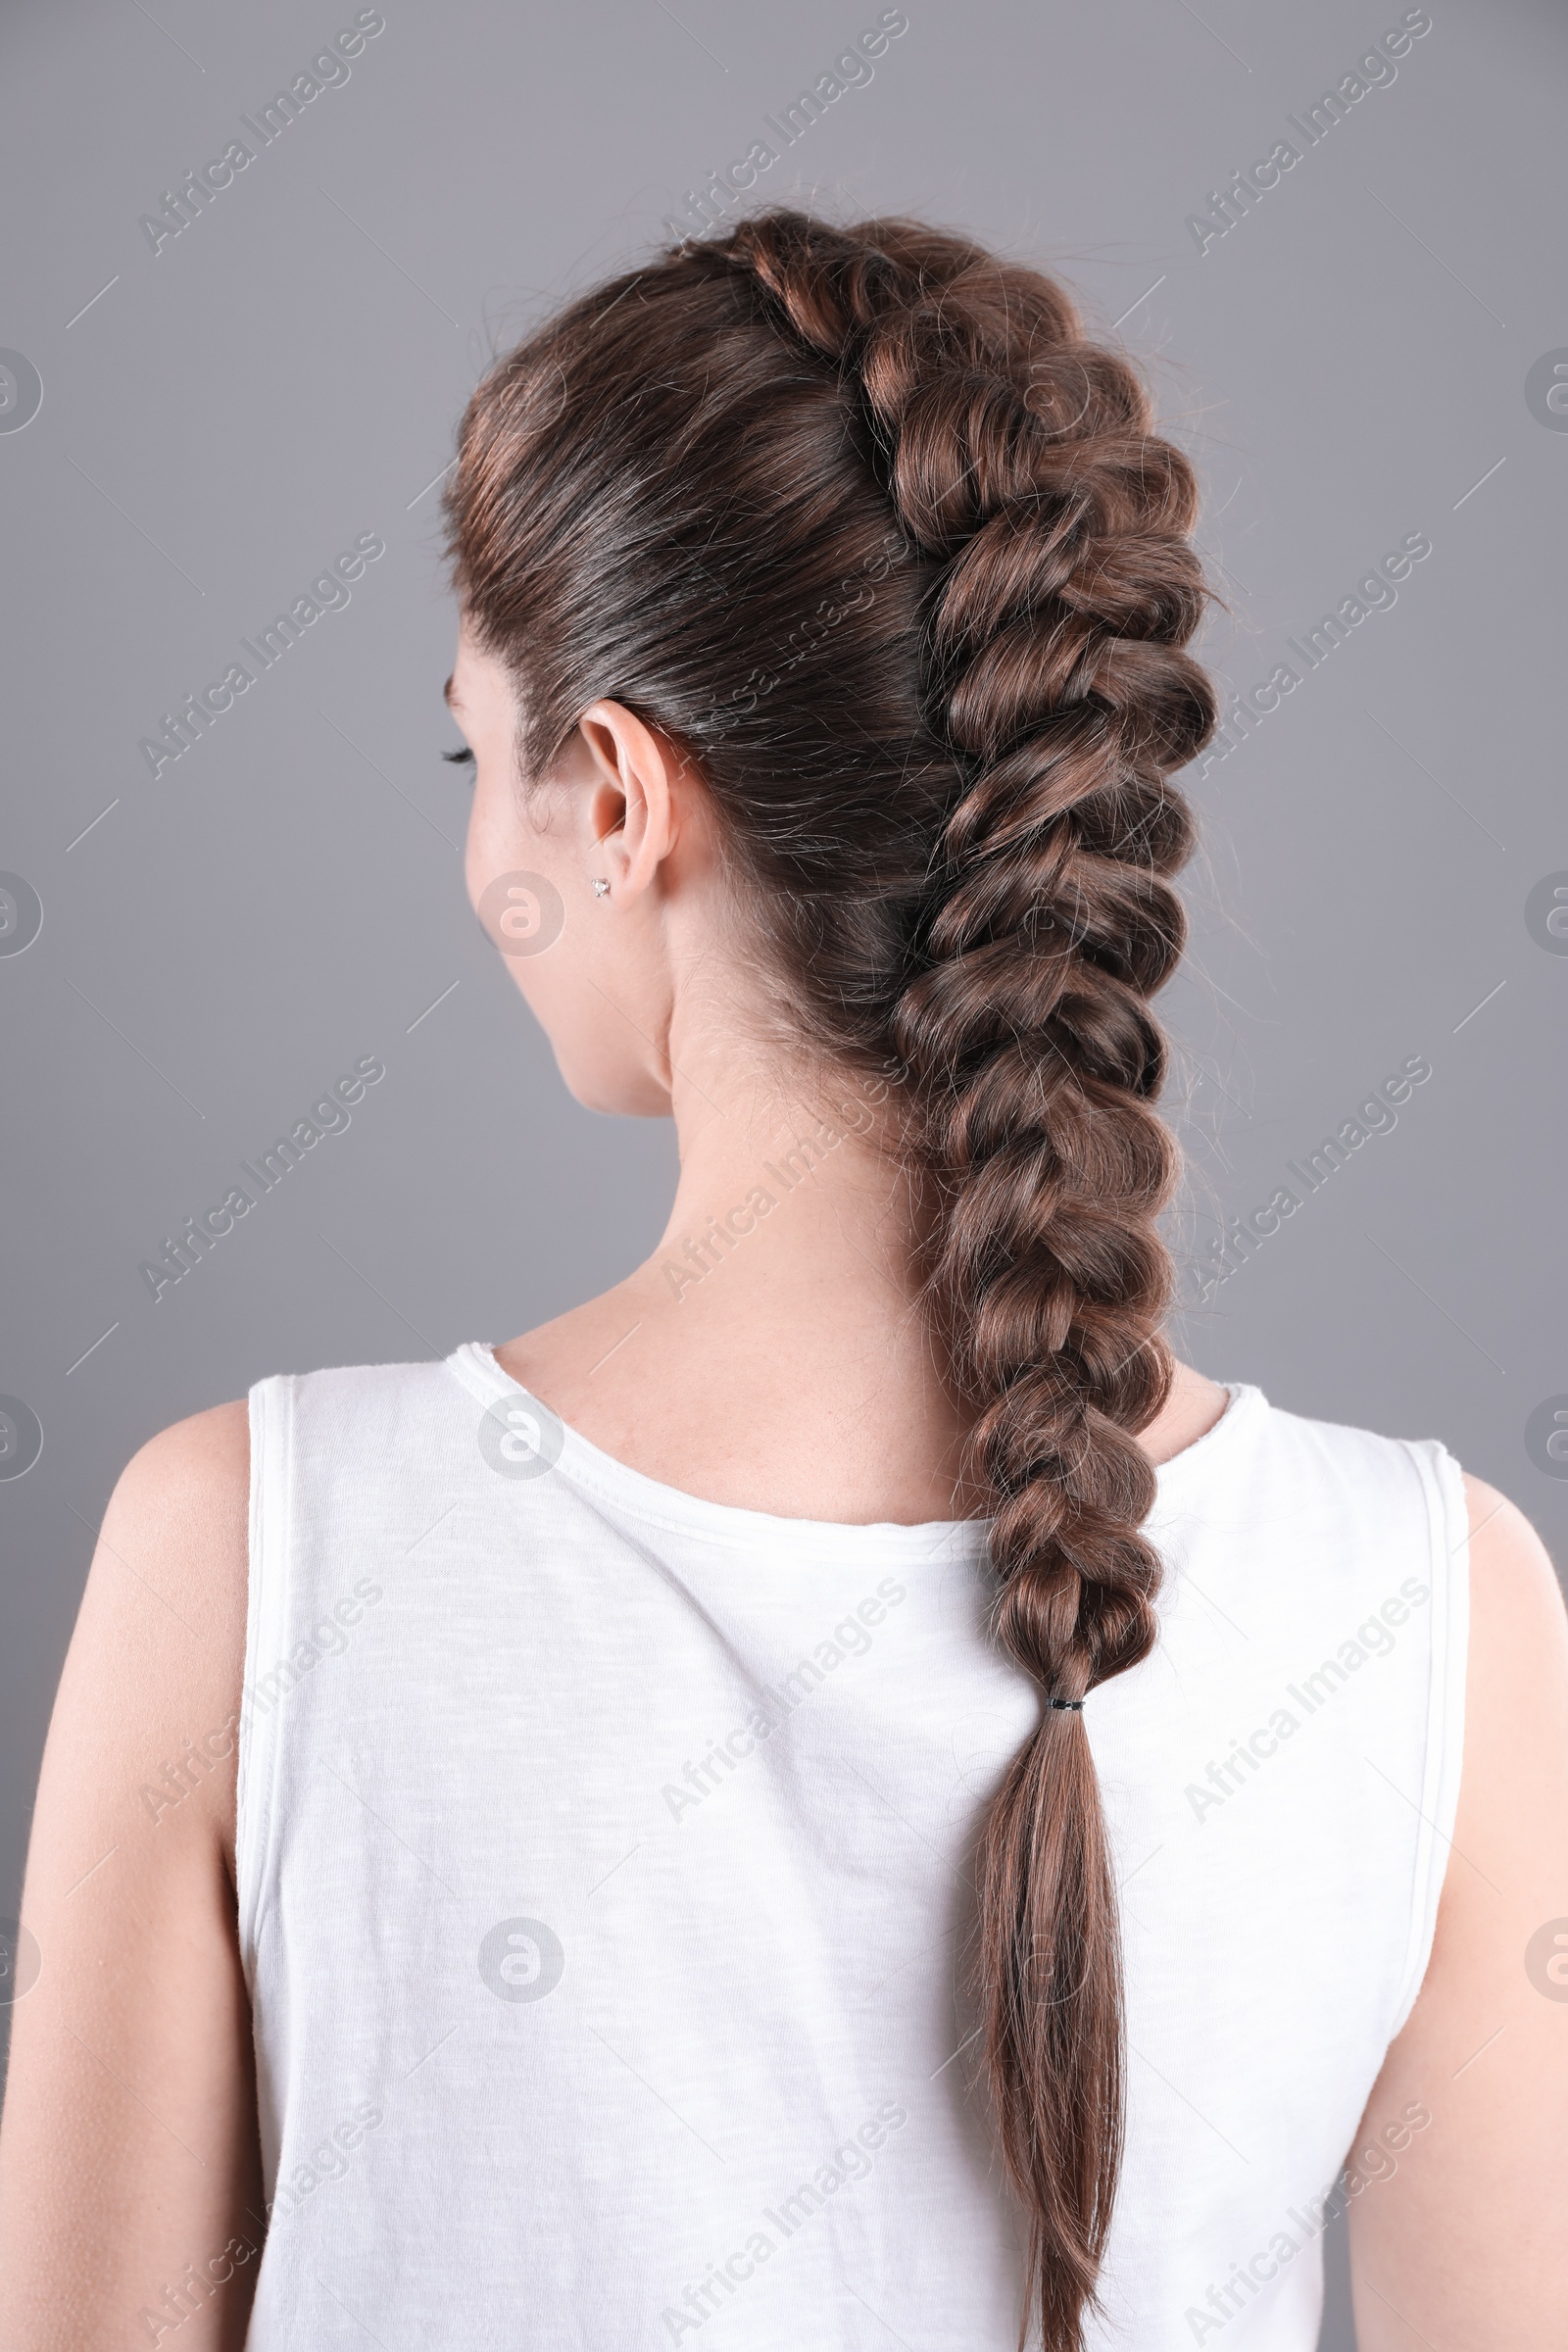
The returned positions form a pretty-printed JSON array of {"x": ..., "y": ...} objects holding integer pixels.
[{"x": 1068, "y": 1702}]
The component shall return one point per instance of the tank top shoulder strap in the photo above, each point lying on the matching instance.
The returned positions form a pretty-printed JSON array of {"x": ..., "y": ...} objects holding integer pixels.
[{"x": 349, "y": 1468}]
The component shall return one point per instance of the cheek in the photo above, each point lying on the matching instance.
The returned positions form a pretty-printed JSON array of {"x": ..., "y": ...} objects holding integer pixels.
[
  {"x": 500, "y": 840},
  {"x": 517, "y": 878}
]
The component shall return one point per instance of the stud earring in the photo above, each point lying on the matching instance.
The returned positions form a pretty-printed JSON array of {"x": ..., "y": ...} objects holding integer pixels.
[{"x": 600, "y": 887}]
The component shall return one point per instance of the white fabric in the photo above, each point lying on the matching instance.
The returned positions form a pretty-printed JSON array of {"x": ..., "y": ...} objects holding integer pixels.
[{"x": 602, "y": 1886}]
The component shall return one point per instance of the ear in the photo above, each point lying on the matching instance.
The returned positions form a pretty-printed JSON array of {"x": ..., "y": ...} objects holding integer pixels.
[{"x": 630, "y": 805}]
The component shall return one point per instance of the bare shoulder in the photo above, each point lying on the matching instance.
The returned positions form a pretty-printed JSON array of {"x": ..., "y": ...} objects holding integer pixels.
[
  {"x": 1513, "y": 1578},
  {"x": 203, "y": 1461},
  {"x": 1513, "y": 1795},
  {"x": 1463, "y": 2227},
  {"x": 131, "y": 2057},
  {"x": 157, "y": 1659},
  {"x": 178, "y": 1526}
]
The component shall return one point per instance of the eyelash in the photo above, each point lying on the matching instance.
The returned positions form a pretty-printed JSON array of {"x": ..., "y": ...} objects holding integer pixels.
[{"x": 463, "y": 759}]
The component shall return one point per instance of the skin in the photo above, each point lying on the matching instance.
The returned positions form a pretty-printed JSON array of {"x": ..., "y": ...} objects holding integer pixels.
[{"x": 793, "y": 1378}]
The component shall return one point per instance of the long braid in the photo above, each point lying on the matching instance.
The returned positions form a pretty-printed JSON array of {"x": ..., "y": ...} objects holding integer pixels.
[
  {"x": 955, "y": 819},
  {"x": 1020, "y": 461}
]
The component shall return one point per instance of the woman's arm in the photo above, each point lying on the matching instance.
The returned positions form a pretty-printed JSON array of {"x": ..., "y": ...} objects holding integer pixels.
[
  {"x": 1460, "y": 2221},
  {"x": 130, "y": 2201}
]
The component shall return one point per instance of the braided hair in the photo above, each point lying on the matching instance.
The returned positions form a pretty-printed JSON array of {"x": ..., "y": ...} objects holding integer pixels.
[{"x": 859, "y": 517}]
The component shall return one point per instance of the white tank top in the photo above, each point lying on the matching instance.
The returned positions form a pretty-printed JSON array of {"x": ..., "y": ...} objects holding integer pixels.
[{"x": 603, "y": 1887}]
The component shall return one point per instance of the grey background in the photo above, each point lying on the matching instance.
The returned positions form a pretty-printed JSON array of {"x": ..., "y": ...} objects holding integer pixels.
[{"x": 1345, "y": 366}]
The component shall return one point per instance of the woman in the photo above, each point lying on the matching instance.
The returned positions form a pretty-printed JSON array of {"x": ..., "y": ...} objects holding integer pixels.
[{"x": 834, "y": 1794}]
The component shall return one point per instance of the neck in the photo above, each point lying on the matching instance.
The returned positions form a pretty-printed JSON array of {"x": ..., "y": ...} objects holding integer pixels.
[
  {"x": 773, "y": 1350},
  {"x": 805, "y": 1165}
]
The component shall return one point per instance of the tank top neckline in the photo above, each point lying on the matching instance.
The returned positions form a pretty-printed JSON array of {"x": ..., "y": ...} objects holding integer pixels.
[
  {"x": 617, "y": 1818},
  {"x": 589, "y": 1468}
]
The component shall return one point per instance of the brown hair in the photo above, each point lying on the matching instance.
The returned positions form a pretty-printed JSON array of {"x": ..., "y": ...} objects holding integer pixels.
[{"x": 860, "y": 518}]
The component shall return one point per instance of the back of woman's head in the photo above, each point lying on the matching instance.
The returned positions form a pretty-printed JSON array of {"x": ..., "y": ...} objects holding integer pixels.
[{"x": 858, "y": 519}]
